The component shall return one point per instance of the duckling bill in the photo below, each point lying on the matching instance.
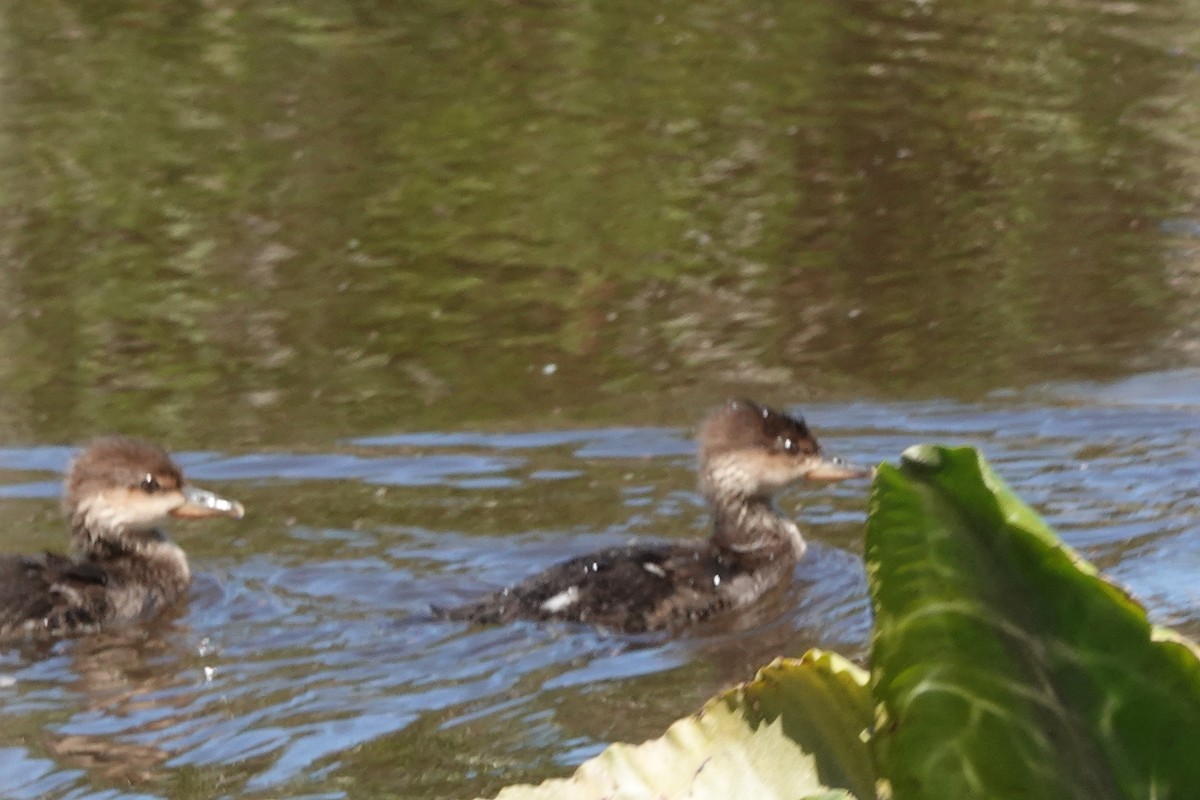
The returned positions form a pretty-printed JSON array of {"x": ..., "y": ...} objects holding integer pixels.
[
  {"x": 748, "y": 452},
  {"x": 123, "y": 568}
]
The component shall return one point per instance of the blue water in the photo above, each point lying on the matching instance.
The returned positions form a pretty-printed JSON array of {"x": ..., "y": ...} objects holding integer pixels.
[{"x": 308, "y": 631}]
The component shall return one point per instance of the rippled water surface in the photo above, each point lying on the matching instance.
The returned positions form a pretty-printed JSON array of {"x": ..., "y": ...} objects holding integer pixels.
[
  {"x": 307, "y": 662},
  {"x": 438, "y": 290}
]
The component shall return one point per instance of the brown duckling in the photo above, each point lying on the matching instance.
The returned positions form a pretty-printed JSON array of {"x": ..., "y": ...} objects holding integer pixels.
[
  {"x": 748, "y": 452},
  {"x": 122, "y": 568}
]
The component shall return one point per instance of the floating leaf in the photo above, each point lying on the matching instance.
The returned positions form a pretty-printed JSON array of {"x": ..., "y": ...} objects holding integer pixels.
[{"x": 795, "y": 731}]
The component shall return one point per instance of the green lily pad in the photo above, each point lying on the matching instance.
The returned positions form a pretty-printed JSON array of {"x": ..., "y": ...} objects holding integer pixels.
[
  {"x": 795, "y": 731},
  {"x": 1005, "y": 666}
]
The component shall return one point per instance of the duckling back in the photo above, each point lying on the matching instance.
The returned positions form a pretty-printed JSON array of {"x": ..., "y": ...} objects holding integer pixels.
[{"x": 50, "y": 594}]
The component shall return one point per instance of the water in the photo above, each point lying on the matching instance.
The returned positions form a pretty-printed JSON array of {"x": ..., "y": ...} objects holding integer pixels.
[
  {"x": 437, "y": 289},
  {"x": 308, "y": 664}
]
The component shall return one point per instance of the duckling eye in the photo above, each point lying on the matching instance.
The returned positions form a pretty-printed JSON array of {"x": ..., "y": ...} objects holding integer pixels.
[
  {"x": 150, "y": 484},
  {"x": 788, "y": 445}
]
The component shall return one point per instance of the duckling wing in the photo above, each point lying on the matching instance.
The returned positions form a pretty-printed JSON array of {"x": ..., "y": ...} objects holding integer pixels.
[
  {"x": 633, "y": 589},
  {"x": 49, "y": 593},
  {"x": 24, "y": 593}
]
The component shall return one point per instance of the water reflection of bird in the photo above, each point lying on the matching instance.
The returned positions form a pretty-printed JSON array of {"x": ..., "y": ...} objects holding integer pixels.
[
  {"x": 747, "y": 453},
  {"x": 123, "y": 568},
  {"x": 131, "y": 696}
]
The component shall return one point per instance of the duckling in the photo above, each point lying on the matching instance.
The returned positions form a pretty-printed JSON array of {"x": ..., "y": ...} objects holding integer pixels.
[
  {"x": 748, "y": 452},
  {"x": 122, "y": 568}
]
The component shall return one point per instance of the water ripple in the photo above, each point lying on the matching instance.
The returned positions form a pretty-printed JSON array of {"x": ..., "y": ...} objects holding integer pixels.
[{"x": 306, "y": 651}]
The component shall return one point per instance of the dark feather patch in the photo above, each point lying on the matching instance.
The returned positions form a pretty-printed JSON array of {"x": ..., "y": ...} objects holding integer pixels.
[{"x": 744, "y": 424}]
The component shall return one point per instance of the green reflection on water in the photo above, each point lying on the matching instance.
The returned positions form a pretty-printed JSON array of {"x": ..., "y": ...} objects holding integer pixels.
[{"x": 303, "y": 221}]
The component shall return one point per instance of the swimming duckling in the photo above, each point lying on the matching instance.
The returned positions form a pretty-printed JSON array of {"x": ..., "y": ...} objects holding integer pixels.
[
  {"x": 748, "y": 452},
  {"x": 123, "y": 568}
]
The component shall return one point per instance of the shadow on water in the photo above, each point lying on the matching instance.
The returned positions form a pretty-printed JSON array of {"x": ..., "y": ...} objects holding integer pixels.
[{"x": 307, "y": 661}]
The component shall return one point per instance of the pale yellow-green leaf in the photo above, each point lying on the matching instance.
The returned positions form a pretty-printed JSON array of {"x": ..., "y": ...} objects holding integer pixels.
[{"x": 796, "y": 731}]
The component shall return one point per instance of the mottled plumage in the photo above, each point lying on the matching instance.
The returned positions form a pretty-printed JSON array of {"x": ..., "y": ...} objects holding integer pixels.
[
  {"x": 122, "y": 567},
  {"x": 747, "y": 453}
]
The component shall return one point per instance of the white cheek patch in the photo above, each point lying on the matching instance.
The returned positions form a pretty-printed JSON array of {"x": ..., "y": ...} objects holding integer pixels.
[
  {"x": 730, "y": 477},
  {"x": 782, "y": 471},
  {"x": 121, "y": 510},
  {"x": 562, "y": 600},
  {"x": 746, "y": 472}
]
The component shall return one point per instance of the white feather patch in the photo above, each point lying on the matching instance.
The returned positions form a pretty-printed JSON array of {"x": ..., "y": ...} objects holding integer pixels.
[
  {"x": 561, "y": 600},
  {"x": 654, "y": 569}
]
